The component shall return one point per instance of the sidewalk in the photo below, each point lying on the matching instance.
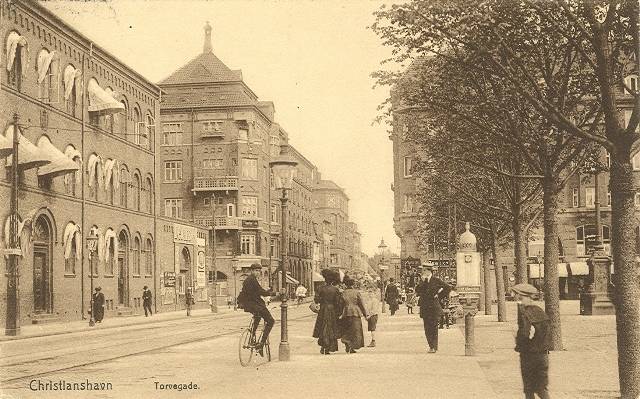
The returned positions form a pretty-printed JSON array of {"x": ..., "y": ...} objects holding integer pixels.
[
  {"x": 41, "y": 330},
  {"x": 586, "y": 368}
]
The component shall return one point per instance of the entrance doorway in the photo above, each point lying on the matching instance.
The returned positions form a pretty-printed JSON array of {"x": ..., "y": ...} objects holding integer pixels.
[
  {"x": 123, "y": 269},
  {"x": 42, "y": 273}
]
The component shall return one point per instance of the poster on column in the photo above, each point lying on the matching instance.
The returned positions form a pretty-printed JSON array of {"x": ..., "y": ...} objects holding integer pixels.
[{"x": 201, "y": 277}]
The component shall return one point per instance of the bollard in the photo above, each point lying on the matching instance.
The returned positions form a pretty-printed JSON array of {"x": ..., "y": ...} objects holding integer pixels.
[{"x": 469, "y": 333}]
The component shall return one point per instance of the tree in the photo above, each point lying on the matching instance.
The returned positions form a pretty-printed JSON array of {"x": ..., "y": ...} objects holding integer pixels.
[{"x": 513, "y": 40}]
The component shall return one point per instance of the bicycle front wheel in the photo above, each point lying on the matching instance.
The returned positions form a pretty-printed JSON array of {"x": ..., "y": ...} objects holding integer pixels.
[
  {"x": 267, "y": 350},
  {"x": 245, "y": 348}
]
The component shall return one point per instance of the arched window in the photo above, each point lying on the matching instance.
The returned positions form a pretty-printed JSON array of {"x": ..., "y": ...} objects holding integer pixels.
[
  {"x": 136, "y": 192},
  {"x": 124, "y": 183},
  {"x": 47, "y": 80},
  {"x": 138, "y": 125},
  {"x": 136, "y": 256},
  {"x": 149, "y": 195},
  {"x": 122, "y": 118},
  {"x": 16, "y": 56},
  {"x": 150, "y": 131},
  {"x": 148, "y": 251},
  {"x": 69, "y": 77}
]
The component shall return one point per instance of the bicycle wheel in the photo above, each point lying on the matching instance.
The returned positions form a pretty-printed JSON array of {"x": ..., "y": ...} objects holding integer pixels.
[
  {"x": 245, "y": 348},
  {"x": 267, "y": 350}
]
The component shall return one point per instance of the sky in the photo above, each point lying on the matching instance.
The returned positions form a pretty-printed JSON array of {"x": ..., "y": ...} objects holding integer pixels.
[{"x": 313, "y": 59}]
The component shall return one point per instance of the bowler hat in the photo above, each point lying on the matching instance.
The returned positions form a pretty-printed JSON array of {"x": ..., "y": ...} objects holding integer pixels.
[
  {"x": 525, "y": 289},
  {"x": 256, "y": 266}
]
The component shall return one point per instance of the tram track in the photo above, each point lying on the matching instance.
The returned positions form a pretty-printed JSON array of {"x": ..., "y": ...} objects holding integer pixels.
[{"x": 102, "y": 354}]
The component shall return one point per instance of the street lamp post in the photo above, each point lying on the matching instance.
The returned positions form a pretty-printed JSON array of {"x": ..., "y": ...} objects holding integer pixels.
[
  {"x": 12, "y": 323},
  {"x": 214, "y": 297},
  {"x": 92, "y": 247},
  {"x": 283, "y": 169},
  {"x": 538, "y": 260},
  {"x": 234, "y": 266}
]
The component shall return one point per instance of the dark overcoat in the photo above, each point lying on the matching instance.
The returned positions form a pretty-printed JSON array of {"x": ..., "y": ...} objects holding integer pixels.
[
  {"x": 429, "y": 297},
  {"x": 251, "y": 295},
  {"x": 326, "y": 327}
]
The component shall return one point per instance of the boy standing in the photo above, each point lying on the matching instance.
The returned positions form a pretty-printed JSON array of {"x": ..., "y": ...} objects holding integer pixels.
[{"x": 533, "y": 342}]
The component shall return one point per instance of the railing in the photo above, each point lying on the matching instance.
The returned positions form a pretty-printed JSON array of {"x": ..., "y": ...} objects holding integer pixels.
[
  {"x": 221, "y": 222},
  {"x": 215, "y": 183}
]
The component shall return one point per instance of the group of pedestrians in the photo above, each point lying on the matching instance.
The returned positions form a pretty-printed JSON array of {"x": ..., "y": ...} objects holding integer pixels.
[{"x": 341, "y": 312}]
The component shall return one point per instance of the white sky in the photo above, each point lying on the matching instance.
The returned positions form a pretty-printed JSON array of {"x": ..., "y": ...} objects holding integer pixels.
[{"x": 311, "y": 58}]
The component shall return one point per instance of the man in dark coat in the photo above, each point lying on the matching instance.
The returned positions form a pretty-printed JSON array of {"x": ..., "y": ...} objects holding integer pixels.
[
  {"x": 98, "y": 305},
  {"x": 429, "y": 291},
  {"x": 250, "y": 298},
  {"x": 391, "y": 295},
  {"x": 533, "y": 342},
  {"x": 146, "y": 301}
]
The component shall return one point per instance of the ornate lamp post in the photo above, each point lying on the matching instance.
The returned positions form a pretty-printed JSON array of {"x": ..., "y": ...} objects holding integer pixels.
[
  {"x": 234, "y": 266},
  {"x": 468, "y": 285},
  {"x": 12, "y": 321},
  {"x": 92, "y": 247},
  {"x": 284, "y": 169}
]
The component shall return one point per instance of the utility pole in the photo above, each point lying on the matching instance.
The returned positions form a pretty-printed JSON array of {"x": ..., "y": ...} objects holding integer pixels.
[
  {"x": 214, "y": 297},
  {"x": 12, "y": 322}
]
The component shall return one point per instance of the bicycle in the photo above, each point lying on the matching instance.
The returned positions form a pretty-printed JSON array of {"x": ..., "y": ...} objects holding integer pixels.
[{"x": 249, "y": 342}]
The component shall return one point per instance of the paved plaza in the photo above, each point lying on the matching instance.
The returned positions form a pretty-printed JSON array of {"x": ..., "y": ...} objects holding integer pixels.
[{"x": 134, "y": 353}]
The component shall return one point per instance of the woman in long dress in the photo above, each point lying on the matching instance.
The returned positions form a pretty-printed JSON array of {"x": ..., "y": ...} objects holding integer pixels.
[
  {"x": 351, "y": 317},
  {"x": 326, "y": 327}
]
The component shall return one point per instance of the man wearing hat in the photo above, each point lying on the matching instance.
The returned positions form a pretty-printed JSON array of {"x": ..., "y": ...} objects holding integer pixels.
[
  {"x": 250, "y": 298},
  {"x": 429, "y": 291},
  {"x": 146, "y": 301},
  {"x": 533, "y": 342}
]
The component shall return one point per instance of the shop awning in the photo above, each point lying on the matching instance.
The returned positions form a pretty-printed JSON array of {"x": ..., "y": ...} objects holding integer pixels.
[
  {"x": 29, "y": 156},
  {"x": 14, "y": 40},
  {"x": 101, "y": 101},
  {"x": 60, "y": 163},
  {"x": 6, "y": 147},
  {"x": 317, "y": 277},
  {"x": 292, "y": 280},
  {"x": 537, "y": 271},
  {"x": 579, "y": 268}
]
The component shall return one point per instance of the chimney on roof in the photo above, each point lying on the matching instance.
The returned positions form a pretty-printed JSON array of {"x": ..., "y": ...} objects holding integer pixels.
[{"x": 208, "y": 48}]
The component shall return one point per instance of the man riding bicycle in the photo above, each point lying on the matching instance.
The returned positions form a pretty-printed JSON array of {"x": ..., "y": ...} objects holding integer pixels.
[{"x": 250, "y": 299}]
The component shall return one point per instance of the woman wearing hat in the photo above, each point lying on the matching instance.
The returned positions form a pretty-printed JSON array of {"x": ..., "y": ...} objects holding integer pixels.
[
  {"x": 533, "y": 342},
  {"x": 326, "y": 326},
  {"x": 351, "y": 317},
  {"x": 98, "y": 305}
]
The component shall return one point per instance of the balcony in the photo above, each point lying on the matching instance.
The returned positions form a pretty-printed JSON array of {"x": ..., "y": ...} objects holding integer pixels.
[
  {"x": 221, "y": 222},
  {"x": 222, "y": 183}
]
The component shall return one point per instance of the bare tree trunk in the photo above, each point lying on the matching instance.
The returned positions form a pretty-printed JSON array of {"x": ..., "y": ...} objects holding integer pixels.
[
  {"x": 500, "y": 288},
  {"x": 551, "y": 255},
  {"x": 627, "y": 288},
  {"x": 488, "y": 297},
  {"x": 519, "y": 248}
]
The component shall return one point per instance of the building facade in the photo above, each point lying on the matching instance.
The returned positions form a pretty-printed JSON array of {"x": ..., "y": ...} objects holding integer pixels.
[{"x": 332, "y": 205}]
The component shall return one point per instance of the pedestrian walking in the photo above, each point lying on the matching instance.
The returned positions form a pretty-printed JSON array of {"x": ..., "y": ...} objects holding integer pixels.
[
  {"x": 533, "y": 342},
  {"x": 429, "y": 290},
  {"x": 146, "y": 301},
  {"x": 330, "y": 300},
  {"x": 189, "y": 300},
  {"x": 371, "y": 301},
  {"x": 445, "y": 320},
  {"x": 351, "y": 318},
  {"x": 301, "y": 293},
  {"x": 411, "y": 300},
  {"x": 391, "y": 295},
  {"x": 98, "y": 305}
]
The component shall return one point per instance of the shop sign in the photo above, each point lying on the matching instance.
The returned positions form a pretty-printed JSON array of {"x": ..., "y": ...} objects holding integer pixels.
[
  {"x": 182, "y": 233},
  {"x": 169, "y": 279},
  {"x": 250, "y": 224}
]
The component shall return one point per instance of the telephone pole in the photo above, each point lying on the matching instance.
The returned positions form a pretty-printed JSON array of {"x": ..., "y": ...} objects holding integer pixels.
[{"x": 12, "y": 323}]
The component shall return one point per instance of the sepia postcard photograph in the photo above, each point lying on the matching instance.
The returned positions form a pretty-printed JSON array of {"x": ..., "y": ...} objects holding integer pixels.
[{"x": 359, "y": 199}]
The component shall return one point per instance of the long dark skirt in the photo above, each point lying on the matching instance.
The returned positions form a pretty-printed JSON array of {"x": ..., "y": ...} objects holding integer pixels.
[
  {"x": 352, "y": 333},
  {"x": 326, "y": 328}
]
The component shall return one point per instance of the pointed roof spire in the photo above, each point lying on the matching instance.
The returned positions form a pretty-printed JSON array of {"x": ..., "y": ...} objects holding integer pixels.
[{"x": 208, "y": 48}]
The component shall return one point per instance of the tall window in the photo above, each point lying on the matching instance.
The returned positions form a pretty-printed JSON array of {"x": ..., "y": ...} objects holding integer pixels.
[
  {"x": 250, "y": 206},
  {"x": 172, "y": 133},
  {"x": 148, "y": 252},
  {"x": 608, "y": 198},
  {"x": 211, "y": 127},
  {"x": 70, "y": 261},
  {"x": 408, "y": 204},
  {"x": 16, "y": 46},
  {"x": 173, "y": 208},
  {"x": 138, "y": 126},
  {"x": 47, "y": 80},
  {"x": 575, "y": 198},
  {"x": 408, "y": 165},
  {"x": 632, "y": 84},
  {"x": 590, "y": 197},
  {"x": 136, "y": 192},
  {"x": 125, "y": 179},
  {"x": 248, "y": 244},
  {"x": 136, "y": 256},
  {"x": 249, "y": 168},
  {"x": 150, "y": 131},
  {"x": 123, "y": 118},
  {"x": 231, "y": 210},
  {"x": 172, "y": 171},
  {"x": 274, "y": 213}
]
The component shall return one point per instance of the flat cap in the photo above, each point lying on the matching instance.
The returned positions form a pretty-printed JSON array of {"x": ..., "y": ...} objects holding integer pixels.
[{"x": 525, "y": 289}]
